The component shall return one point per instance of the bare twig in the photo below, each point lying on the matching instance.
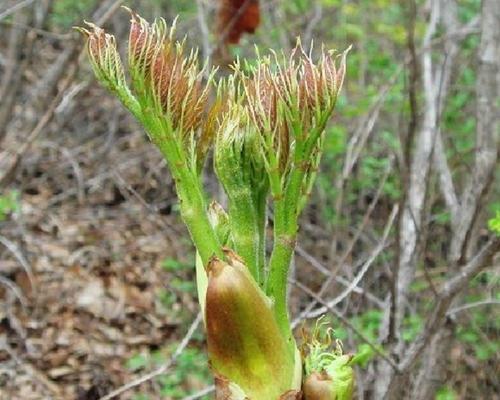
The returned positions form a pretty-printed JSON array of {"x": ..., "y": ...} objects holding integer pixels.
[
  {"x": 466, "y": 209},
  {"x": 201, "y": 393},
  {"x": 15, "y": 65},
  {"x": 14, "y": 289},
  {"x": 167, "y": 228},
  {"x": 368, "y": 263},
  {"x": 16, "y": 7},
  {"x": 487, "y": 138},
  {"x": 312, "y": 24},
  {"x": 14, "y": 249},
  {"x": 437, "y": 318},
  {"x": 449, "y": 290},
  {"x": 354, "y": 240},
  {"x": 205, "y": 33},
  {"x": 313, "y": 261},
  {"x": 161, "y": 370},
  {"x": 47, "y": 117},
  {"x": 465, "y": 307}
]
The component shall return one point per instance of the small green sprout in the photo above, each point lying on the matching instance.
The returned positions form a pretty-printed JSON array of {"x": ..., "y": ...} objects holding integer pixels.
[{"x": 328, "y": 371}]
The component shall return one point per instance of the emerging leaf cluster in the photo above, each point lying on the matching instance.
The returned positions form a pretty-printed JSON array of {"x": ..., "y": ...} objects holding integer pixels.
[{"x": 266, "y": 127}]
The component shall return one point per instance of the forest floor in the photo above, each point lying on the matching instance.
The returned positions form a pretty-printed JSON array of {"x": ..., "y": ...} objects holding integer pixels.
[
  {"x": 83, "y": 285},
  {"x": 98, "y": 271}
]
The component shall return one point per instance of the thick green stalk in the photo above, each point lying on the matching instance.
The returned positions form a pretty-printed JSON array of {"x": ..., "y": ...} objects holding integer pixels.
[
  {"x": 194, "y": 213},
  {"x": 277, "y": 280},
  {"x": 285, "y": 231},
  {"x": 244, "y": 228},
  {"x": 241, "y": 181},
  {"x": 285, "y": 236},
  {"x": 287, "y": 210},
  {"x": 192, "y": 202},
  {"x": 260, "y": 197}
]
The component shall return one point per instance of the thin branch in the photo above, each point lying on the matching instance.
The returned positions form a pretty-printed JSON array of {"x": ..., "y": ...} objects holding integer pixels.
[
  {"x": 16, "y": 290},
  {"x": 369, "y": 262},
  {"x": 487, "y": 138},
  {"x": 354, "y": 240},
  {"x": 205, "y": 33},
  {"x": 161, "y": 370},
  {"x": 313, "y": 22},
  {"x": 200, "y": 393},
  {"x": 362, "y": 272},
  {"x": 16, "y": 7},
  {"x": 48, "y": 115},
  {"x": 446, "y": 295},
  {"x": 315, "y": 263},
  {"x": 437, "y": 318},
  {"x": 465, "y": 307},
  {"x": 445, "y": 179},
  {"x": 14, "y": 249}
]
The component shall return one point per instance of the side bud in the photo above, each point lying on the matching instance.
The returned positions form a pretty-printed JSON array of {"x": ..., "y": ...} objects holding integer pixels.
[
  {"x": 220, "y": 221},
  {"x": 245, "y": 346},
  {"x": 328, "y": 372},
  {"x": 335, "y": 382}
]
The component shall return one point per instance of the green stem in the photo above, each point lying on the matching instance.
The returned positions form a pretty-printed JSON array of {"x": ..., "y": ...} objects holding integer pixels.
[
  {"x": 279, "y": 263},
  {"x": 285, "y": 236},
  {"x": 194, "y": 213},
  {"x": 188, "y": 186},
  {"x": 261, "y": 216},
  {"x": 244, "y": 229}
]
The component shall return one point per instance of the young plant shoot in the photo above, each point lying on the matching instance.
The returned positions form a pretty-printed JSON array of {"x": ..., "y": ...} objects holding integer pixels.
[{"x": 266, "y": 127}]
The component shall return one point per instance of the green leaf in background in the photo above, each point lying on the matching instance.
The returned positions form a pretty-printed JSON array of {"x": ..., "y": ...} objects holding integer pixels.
[
  {"x": 137, "y": 362},
  {"x": 67, "y": 12},
  {"x": 9, "y": 203},
  {"x": 494, "y": 224},
  {"x": 192, "y": 366},
  {"x": 183, "y": 285},
  {"x": 363, "y": 356},
  {"x": 412, "y": 326},
  {"x": 141, "y": 396},
  {"x": 191, "y": 371},
  {"x": 173, "y": 265},
  {"x": 446, "y": 393}
]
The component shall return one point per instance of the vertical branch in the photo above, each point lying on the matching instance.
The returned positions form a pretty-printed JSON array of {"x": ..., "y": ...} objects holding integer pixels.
[
  {"x": 434, "y": 322},
  {"x": 312, "y": 24},
  {"x": 487, "y": 137},
  {"x": 465, "y": 212},
  {"x": 417, "y": 168},
  {"x": 407, "y": 145},
  {"x": 385, "y": 372},
  {"x": 205, "y": 33},
  {"x": 16, "y": 64},
  {"x": 436, "y": 83}
]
